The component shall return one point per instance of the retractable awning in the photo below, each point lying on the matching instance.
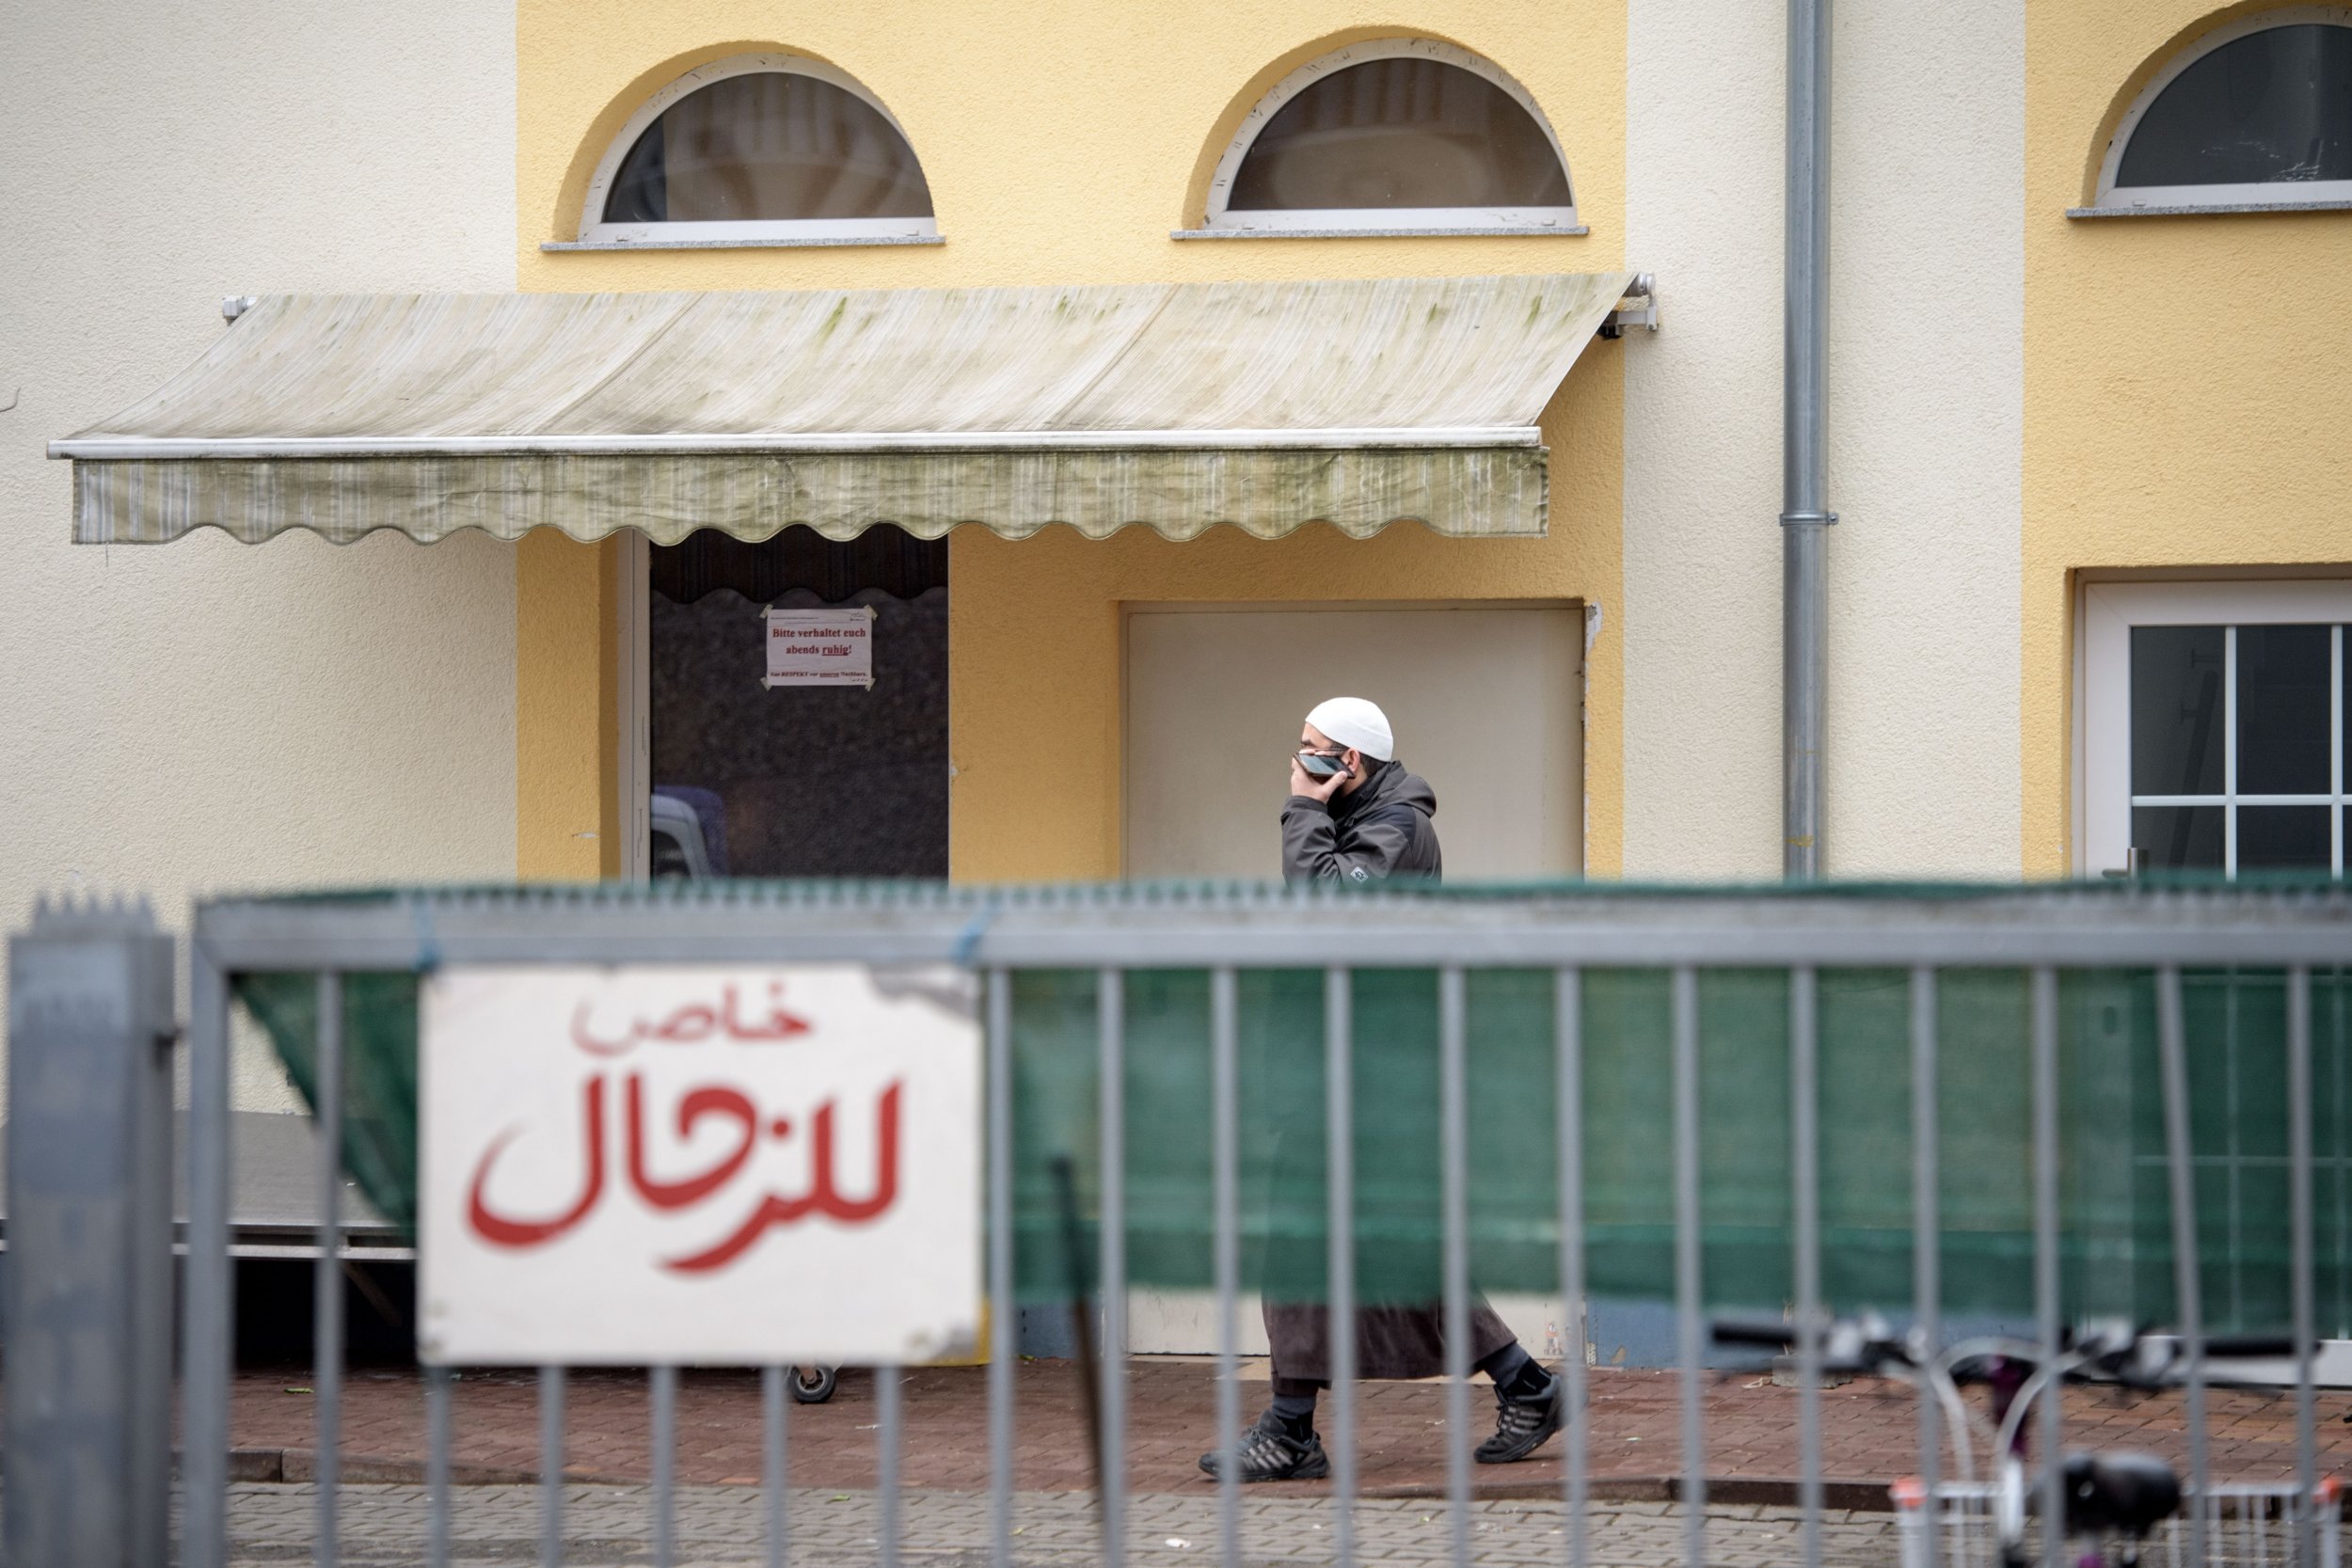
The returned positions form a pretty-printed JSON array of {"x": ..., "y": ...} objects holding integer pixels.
[{"x": 1172, "y": 406}]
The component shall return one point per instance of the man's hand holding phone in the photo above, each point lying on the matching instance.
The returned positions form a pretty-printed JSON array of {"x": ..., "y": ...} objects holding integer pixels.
[{"x": 1314, "y": 788}]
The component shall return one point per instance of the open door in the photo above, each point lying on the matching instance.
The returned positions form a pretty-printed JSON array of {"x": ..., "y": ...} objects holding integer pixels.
[{"x": 746, "y": 778}]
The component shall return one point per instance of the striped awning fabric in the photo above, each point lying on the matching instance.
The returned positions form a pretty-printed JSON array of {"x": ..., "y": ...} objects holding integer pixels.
[{"x": 1177, "y": 407}]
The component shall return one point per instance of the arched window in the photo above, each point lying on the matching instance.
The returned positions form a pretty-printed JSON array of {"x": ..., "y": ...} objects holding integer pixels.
[
  {"x": 1397, "y": 135},
  {"x": 2256, "y": 113},
  {"x": 759, "y": 147}
]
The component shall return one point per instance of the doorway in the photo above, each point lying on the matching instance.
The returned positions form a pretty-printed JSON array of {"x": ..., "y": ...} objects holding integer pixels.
[
  {"x": 746, "y": 778},
  {"x": 1486, "y": 701}
]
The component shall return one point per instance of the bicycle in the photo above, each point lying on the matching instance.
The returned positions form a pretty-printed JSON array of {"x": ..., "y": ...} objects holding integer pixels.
[{"x": 2109, "y": 1495}]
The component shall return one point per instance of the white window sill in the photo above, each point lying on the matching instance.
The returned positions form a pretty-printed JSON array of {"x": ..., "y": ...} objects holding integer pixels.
[
  {"x": 1516, "y": 231},
  {"x": 780, "y": 243},
  {"x": 2204, "y": 209}
]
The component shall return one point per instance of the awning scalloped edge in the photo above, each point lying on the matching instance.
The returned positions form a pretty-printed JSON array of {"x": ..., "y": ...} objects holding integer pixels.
[{"x": 1498, "y": 492}]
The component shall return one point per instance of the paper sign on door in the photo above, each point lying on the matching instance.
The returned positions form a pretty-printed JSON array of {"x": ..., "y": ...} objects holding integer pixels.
[
  {"x": 740, "y": 1166},
  {"x": 820, "y": 647}
]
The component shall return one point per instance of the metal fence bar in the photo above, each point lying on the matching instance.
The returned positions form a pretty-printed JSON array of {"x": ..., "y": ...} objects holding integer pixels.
[
  {"x": 1000, "y": 1299},
  {"x": 1689, "y": 1302},
  {"x": 1568, "y": 1046},
  {"x": 2045, "y": 1249},
  {"x": 208, "y": 1312},
  {"x": 436, "y": 1424},
  {"x": 775, "y": 1474},
  {"x": 550, "y": 1468},
  {"x": 1927, "y": 1225},
  {"x": 326, "y": 1277},
  {"x": 1453, "y": 1197},
  {"x": 663, "y": 1384},
  {"x": 2188, "y": 1299},
  {"x": 888, "y": 1406},
  {"x": 1806, "y": 1147},
  {"x": 1111, "y": 1005},
  {"x": 1225, "y": 1155},
  {"x": 1339, "y": 1044},
  {"x": 2300, "y": 1271}
]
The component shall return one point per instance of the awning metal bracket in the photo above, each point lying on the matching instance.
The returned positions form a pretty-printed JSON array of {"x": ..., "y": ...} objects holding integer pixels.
[{"x": 1639, "y": 308}]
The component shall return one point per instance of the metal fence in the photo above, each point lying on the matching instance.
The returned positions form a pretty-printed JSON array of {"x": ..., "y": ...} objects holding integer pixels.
[{"x": 1227, "y": 932}]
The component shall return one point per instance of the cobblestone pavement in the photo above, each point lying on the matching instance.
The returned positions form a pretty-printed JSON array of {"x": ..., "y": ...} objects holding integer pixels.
[
  {"x": 1867, "y": 1427},
  {"x": 726, "y": 1524}
]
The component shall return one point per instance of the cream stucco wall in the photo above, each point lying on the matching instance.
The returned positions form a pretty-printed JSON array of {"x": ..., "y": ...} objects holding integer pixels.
[
  {"x": 208, "y": 715},
  {"x": 1926, "y": 290}
]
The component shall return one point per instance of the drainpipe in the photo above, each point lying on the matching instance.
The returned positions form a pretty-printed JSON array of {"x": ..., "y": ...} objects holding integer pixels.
[{"x": 1804, "y": 519}]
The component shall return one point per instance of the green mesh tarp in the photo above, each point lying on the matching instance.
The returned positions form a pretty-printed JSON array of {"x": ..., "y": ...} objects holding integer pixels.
[{"x": 2117, "y": 1251}]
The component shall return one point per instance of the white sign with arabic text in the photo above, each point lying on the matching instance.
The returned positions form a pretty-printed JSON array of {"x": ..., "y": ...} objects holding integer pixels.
[{"x": 665, "y": 1163}]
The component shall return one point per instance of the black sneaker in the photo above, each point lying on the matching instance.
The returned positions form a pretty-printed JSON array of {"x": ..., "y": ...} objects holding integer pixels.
[
  {"x": 1521, "y": 1426},
  {"x": 1272, "y": 1452}
]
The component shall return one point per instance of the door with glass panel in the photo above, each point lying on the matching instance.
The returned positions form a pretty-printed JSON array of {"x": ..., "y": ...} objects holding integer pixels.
[
  {"x": 2213, "y": 718},
  {"x": 2214, "y": 723}
]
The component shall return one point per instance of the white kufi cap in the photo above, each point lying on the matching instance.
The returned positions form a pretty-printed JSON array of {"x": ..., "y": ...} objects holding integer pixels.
[{"x": 1354, "y": 722}]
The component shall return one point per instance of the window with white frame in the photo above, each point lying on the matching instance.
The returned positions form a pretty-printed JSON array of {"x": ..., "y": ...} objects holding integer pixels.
[
  {"x": 1395, "y": 135},
  {"x": 759, "y": 149},
  {"x": 2214, "y": 726},
  {"x": 2256, "y": 113}
]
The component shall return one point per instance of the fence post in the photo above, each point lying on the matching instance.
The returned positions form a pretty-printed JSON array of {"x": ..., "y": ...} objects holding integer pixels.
[{"x": 88, "y": 1269}]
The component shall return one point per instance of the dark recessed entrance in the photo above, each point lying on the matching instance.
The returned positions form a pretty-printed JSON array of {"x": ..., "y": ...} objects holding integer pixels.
[{"x": 794, "y": 781}]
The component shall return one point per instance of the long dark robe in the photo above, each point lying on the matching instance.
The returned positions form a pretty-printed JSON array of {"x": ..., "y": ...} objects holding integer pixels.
[{"x": 1390, "y": 1342}]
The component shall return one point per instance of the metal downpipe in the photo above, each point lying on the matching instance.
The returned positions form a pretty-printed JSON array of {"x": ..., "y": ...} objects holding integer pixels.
[{"x": 1804, "y": 518}]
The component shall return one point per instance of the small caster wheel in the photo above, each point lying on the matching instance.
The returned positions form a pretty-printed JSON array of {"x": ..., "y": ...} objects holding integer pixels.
[{"x": 814, "y": 1384}]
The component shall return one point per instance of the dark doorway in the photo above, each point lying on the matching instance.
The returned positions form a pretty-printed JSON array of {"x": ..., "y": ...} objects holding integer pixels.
[{"x": 835, "y": 781}]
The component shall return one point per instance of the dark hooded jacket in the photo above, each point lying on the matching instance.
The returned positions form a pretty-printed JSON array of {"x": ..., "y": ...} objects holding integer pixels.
[{"x": 1384, "y": 829}]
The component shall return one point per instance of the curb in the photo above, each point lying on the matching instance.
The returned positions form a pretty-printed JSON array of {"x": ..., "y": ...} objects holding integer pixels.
[
  {"x": 299, "y": 1467},
  {"x": 1855, "y": 1497}
]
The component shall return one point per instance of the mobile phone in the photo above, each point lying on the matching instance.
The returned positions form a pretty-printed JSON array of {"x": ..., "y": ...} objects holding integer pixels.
[{"x": 1320, "y": 766}]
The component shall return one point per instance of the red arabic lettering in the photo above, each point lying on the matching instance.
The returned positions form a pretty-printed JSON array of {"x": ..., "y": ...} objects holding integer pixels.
[
  {"x": 581, "y": 1038},
  {"x": 697, "y": 1104},
  {"x": 780, "y": 1025},
  {"x": 823, "y": 1196},
  {"x": 501, "y": 1231},
  {"x": 694, "y": 1022},
  {"x": 690, "y": 1024}
]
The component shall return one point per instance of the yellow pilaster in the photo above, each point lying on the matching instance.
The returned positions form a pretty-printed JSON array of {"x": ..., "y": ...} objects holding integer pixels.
[{"x": 565, "y": 712}]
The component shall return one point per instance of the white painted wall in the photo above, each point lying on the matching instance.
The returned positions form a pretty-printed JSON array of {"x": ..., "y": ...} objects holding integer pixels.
[
  {"x": 1925, "y": 425},
  {"x": 206, "y": 716}
]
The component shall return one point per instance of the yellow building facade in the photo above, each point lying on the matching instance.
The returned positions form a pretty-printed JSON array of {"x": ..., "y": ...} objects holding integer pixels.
[
  {"x": 2188, "y": 382},
  {"x": 2060, "y": 413},
  {"x": 1070, "y": 166},
  {"x": 2180, "y": 385}
]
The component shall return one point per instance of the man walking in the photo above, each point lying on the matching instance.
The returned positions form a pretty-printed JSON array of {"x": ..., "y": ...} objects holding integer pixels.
[{"x": 1355, "y": 816}]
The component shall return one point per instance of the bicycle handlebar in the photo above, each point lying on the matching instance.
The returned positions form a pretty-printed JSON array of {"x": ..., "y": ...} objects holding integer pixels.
[
  {"x": 2248, "y": 1347},
  {"x": 1775, "y": 1336},
  {"x": 1865, "y": 1339}
]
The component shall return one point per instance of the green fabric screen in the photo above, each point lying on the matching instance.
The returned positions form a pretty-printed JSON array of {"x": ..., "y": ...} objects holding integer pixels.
[{"x": 2116, "y": 1216}]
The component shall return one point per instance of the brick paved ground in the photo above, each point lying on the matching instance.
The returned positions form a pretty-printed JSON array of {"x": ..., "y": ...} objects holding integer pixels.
[
  {"x": 1868, "y": 1429},
  {"x": 714, "y": 1526}
]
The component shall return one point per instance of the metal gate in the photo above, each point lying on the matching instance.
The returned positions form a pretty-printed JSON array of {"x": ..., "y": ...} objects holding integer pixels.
[{"x": 77, "y": 1030}]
